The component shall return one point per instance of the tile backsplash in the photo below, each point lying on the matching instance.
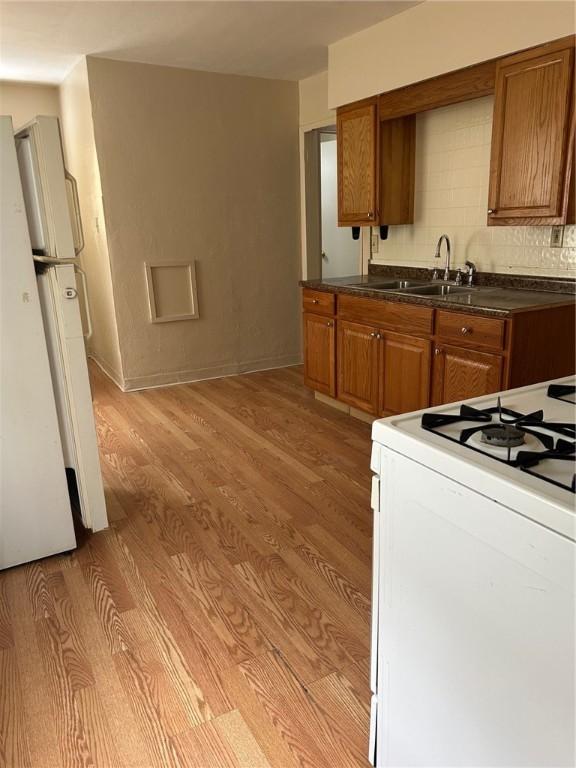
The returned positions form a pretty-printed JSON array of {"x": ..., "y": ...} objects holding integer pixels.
[{"x": 451, "y": 196}]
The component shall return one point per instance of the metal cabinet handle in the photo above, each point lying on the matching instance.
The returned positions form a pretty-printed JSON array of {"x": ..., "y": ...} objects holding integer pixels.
[
  {"x": 374, "y": 335},
  {"x": 437, "y": 351},
  {"x": 465, "y": 330},
  {"x": 315, "y": 301},
  {"x": 370, "y": 214},
  {"x": 491, "y": 210},
  {"x": 329, "y": 324}
]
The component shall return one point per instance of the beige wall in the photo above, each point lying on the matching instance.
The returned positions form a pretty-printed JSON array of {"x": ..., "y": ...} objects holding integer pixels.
[
  {"x": 313, "y": 98},
  {"x": 200, "y": 166},
  {"x": 26, "y": 100},
  {"x": 437, "y": 37},
  {"x": 81, "y": 160},
  {"x": 452, "y": 169}
]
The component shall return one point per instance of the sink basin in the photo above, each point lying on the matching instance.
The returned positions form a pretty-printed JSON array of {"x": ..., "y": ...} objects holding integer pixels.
[
  {"x": 391, "y": 285},
  {"x": 438, "y": 289}
]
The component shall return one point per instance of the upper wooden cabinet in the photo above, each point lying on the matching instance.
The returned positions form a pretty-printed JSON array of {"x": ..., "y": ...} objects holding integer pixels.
[
  {"x": 532, "y": 159},
  {"x": 357, "y": 135},
  {"x": 375, "y": 167},
  {"x": 532, "y": 137}
]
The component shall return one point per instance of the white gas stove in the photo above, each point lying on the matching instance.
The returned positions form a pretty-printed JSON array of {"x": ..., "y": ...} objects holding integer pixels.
[{"x": 474, "y": 582}]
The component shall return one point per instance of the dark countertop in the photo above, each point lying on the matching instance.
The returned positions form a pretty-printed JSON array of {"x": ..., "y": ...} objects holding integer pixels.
[{"x": 489, "y": 298}]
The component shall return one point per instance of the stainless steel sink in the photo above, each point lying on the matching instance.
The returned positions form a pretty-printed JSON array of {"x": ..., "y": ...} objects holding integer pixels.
[
  {"x": 390, "y": 285},
  {"x": 438, "y": 289}
]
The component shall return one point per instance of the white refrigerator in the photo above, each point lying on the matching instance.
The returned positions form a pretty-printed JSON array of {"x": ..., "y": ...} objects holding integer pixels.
[{"x": 45, "y": 392}]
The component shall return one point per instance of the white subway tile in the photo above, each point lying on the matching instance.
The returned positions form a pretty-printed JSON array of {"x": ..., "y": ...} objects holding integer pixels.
[{"x": 452, "y": 174}]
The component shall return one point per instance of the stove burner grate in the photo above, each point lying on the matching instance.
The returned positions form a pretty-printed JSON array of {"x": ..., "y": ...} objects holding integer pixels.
[
  {"x": 508, "y": 430},
  {"x": 564, "y": 392}
]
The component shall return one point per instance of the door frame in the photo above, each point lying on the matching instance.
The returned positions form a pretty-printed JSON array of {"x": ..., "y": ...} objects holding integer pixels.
[{"x": 310, "y": 223}]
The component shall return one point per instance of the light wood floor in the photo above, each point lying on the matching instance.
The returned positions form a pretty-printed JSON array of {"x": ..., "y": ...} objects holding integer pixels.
[{"x": 223, "y": 620}]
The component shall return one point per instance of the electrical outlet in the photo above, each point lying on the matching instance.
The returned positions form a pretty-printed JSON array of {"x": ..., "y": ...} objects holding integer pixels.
[
  {"x": 374, "y": 242},
  {"x": 556, "y": 237}
]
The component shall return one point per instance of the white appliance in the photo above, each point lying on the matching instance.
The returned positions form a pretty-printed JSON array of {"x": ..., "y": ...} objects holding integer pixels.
[
  {"x": 43, "y": 359},
  {"x": 473, "y": 642}
]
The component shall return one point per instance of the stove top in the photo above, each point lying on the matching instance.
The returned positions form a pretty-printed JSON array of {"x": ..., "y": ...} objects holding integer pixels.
[
  {"x": 545, "y": 448},
  {"x": 516, "y": 447}
]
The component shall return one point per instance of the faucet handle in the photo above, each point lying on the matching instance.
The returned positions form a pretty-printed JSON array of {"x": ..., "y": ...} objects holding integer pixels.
[{"x": 471, "y": 271}]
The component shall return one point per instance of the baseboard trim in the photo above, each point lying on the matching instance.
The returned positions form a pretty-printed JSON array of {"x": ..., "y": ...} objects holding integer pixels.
[
  {"x": 108, "y": 371},
  {"x": 133, "y": 384},
  {"x": 356, "y": 413}
]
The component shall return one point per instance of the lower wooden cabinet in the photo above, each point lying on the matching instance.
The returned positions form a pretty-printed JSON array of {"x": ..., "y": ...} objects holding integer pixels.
[
  {"x": 404, "y": 373},
  {"x": 320, "y": 353},
  {"x": 461, "y": 374},
  {"x": 382, "y": 372},
  {"x": 357, "y": 365},
  {"x": 387, "y": 357}
]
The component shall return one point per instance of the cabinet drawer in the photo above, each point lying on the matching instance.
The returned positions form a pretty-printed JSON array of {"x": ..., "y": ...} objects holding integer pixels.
[
  {"x": 469, "y": 330},
  {"x": 407, "y": 318},
  {"x": 319, "y": 302}
]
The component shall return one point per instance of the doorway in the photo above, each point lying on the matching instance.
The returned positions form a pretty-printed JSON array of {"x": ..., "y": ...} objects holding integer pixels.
[{"x": 331, "y": 251}]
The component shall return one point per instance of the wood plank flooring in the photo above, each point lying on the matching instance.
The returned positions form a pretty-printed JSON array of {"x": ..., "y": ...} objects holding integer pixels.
[{"x": 223, "y": 619}]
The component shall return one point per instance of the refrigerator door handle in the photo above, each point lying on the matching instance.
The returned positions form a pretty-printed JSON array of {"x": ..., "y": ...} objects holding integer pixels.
[
  {"x": 78, "y": 248},
  {"x": 82, "y": 274}
]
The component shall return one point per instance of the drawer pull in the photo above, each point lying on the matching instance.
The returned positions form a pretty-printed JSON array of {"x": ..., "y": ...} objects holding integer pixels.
[
  {"x": 437, "y": 351},
  {"x": 329, "y": 324},
  {"x": 466, "y": 330},
  {"x": 315, "y": 301},
  {"x": 373, "y": 335},
  {"x": 491, "y": 210}
]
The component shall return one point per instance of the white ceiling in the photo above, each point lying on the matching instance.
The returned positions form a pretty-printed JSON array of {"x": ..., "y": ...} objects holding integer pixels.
[{"x": 41, "y": 41}]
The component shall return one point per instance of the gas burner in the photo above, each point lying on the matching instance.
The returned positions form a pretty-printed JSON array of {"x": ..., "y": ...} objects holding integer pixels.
[
  {"x": 502, "y": 435},
  {"x": 525, "y": 441},
  {"x": 564, "y": 392}
]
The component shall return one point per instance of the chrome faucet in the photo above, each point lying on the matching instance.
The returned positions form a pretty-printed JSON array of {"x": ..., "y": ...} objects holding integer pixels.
[{"x": 437, "y": 254}]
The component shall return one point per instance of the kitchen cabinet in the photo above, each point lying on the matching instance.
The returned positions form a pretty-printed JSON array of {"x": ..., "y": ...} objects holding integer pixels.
[
  {"x": 532, "y": 154},
  {"x": 460, "y": 374},
  {"x": 357, "y": 149},
  {"x": 404, "y": 373},
  {"x": 357, "y": 365},
  {"x": 319, "y": 353},
  {"x": 376, "y": 162},
  {"x": 532, "y": 137},
  {"x": 387, "y": 357}
]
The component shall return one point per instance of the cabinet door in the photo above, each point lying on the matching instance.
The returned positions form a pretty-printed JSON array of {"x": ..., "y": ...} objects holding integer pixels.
[
  {"x": 404, "y": 373},
  {"x": 357, "y": 149},
  {"x": 319, "y": 354},
  {"x": 460, "y": 374},
  {"x": 357, "y": 365},
  {"x": 531, "y": 134}
]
